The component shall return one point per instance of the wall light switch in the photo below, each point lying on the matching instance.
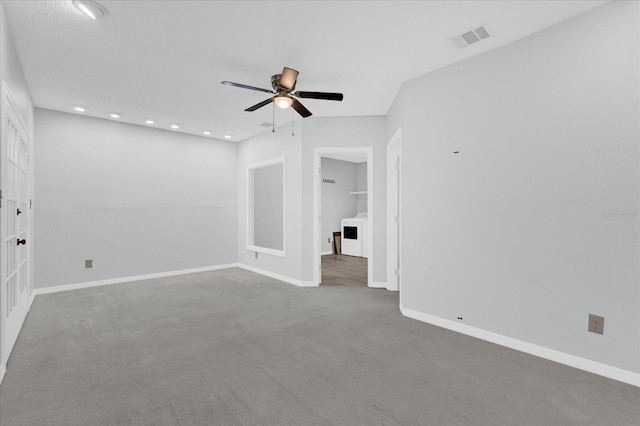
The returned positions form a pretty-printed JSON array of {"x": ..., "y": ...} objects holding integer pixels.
[
  {"x": 88, "y": 264},
  {"x": 596, "y": 324}
]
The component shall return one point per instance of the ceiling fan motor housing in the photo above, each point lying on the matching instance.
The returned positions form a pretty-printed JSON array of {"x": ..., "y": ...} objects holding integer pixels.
[{"x": 275, "y": 83}]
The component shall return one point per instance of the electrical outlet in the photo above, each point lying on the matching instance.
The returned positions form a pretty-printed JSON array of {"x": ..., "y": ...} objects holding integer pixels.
[
  {"x": 88, "y": 264},
  {"x": 329, "y": 239},
  {"x": 596, "y": 324}
]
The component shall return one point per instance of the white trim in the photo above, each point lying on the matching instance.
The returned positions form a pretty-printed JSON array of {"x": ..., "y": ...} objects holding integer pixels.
[
  {"x": 393, "y": 281},
  {"x": 378, "y": 284},
  {"x": 594, "y": 367},
  {"x": 3, "y": 370},
  {"x": 78, "y": 286},
  {"x": 325, "y": 253},
  {"x": 31, "y": 298},
  {"x": 317, "y": 208},
  {"x": 272, "y": 252},
  {"x": 273, "y": 275}
]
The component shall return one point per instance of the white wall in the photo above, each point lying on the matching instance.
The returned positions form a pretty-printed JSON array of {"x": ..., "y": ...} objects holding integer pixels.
[
  {"x": 362, "y": 186},
  {"x": 337, "y": 201},
  {"x": 11, "y": 72},
  {"x": 263, "y": 147},
  {"x": 136, "y": 200},
  {"x": 512, "y": 234},
  {"x": 345, "y": 132}
]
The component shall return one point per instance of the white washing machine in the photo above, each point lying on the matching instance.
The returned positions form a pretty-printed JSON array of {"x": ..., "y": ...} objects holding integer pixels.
[{"x": 354, "y": 235}]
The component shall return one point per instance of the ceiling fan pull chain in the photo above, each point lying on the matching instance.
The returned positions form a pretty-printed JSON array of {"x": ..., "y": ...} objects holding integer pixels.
[
  {"x": 273, "y": 117},
  {"x": 292, "y": 134}
]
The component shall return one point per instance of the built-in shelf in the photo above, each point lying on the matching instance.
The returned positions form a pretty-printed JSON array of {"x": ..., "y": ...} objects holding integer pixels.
[{"x": 358, "y": 192}]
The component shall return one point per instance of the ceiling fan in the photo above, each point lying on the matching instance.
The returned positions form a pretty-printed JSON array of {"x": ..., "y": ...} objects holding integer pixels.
[{"x": 283, "y": 86}]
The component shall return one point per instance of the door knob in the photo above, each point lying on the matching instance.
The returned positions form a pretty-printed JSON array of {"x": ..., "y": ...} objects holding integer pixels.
[{"x": 21, "y": 241}]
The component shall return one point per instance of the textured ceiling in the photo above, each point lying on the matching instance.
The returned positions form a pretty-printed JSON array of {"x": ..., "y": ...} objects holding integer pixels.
[{"x": 165, "y": 60}]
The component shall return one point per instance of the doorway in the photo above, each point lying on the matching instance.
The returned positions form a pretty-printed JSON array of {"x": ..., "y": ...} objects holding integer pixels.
[
  {"x": 362, "y": 257},
  {"x": 15, "y": 180}
]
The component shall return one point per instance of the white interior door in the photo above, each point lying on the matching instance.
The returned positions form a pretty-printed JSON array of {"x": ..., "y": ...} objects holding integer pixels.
[
  {"x": 393, "y": 213},
  {"x": 14, "y": 227}
]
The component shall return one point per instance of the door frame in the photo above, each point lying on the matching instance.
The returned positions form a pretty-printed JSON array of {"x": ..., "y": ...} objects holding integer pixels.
[
  {"x": 318, "y": 153},
  {"x": 394, "y": 144},
  {"x": 7, "y": 102}
]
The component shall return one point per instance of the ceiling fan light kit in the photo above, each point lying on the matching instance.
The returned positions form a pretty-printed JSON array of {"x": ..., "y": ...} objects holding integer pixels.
[
  {"x": 283, "y": 101},
  {"x": 283, "y": 86}
]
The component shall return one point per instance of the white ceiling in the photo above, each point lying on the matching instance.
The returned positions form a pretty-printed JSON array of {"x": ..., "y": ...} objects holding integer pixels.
[{"x": 165, "y": 59}]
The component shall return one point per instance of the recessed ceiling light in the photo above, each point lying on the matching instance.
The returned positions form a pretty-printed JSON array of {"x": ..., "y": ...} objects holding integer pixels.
[
  {"x": 206, "y": 132},
  {"x": 92, "y": 9},
  {"x": 227, "y": 136},
  {"x": 114, "y": 115},
  {"x": 149, "y": 121},
  {"x": 80, "y": 108},
  {"x": 175, "y": 126}
]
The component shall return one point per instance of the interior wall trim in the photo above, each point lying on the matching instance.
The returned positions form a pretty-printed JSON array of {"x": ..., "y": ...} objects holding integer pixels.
[
  {"x": 270, "y": 274},
  {"x": 31, "y": 298},
  {"x": 78, "y": 286},
  {"x": 3, "y": 370},
  {"x": 594, "y": 367},
  {"x": 89, "y": 284}
]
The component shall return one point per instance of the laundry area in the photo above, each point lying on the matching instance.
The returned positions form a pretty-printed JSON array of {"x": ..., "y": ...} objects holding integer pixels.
[{"x": 344, "y": 220}]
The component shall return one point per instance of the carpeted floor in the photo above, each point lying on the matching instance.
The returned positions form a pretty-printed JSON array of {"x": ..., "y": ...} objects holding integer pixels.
[{"x": 234, "y": 348}]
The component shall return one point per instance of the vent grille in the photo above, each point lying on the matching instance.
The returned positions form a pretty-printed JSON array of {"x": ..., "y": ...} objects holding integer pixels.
[
  {"x": 482, "y": 33},
  {"x": 470, "y": 37},
  {"x": 328, "y": 181},
  {"x": 265, "y": 124}
]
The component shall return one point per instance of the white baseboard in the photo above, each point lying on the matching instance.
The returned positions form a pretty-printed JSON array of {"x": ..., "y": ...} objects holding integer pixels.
[
  {"x": 3, "y": 370},
  {"x": 378, "y": 284},
  {"x": 31, "y": 298},
  {"x": 324, "y": 253},
  {"x": 594, "y": 367},
  {"x": 78, "y": 286},
  {"x": 270, "y": 274}
]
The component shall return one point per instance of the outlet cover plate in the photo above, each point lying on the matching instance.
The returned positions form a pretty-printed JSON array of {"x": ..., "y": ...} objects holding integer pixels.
[
  {"x": 596, "y": 324},
  {"x": 88, "y": 263}
]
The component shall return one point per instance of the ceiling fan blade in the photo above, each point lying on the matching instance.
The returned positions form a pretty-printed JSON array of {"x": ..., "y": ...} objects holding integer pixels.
[
  {"x": 300, "y": 109},
  {"x": 320, "y": 95},
  {"x": 288, "y": 78},
  {"x": 260, "y": 105},
  {"x": 244, "y": 86}
]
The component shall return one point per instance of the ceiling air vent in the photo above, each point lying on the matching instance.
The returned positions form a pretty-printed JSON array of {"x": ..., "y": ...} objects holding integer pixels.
[
  {"x": 265, "y": 124},
  {"x": 470, "y": 37}
]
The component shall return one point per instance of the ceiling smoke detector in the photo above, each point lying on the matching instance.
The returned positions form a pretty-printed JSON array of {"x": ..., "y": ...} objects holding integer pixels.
[
  {"x": 92, "y": 9},
  {"x": 470, "y": 37}
]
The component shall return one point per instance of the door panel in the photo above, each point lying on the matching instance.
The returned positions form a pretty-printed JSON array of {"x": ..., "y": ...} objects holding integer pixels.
[{"x": 15, "y": 291}]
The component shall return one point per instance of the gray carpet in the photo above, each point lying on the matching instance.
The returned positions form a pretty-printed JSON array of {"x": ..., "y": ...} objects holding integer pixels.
[{"x": 235, "y": 348}]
